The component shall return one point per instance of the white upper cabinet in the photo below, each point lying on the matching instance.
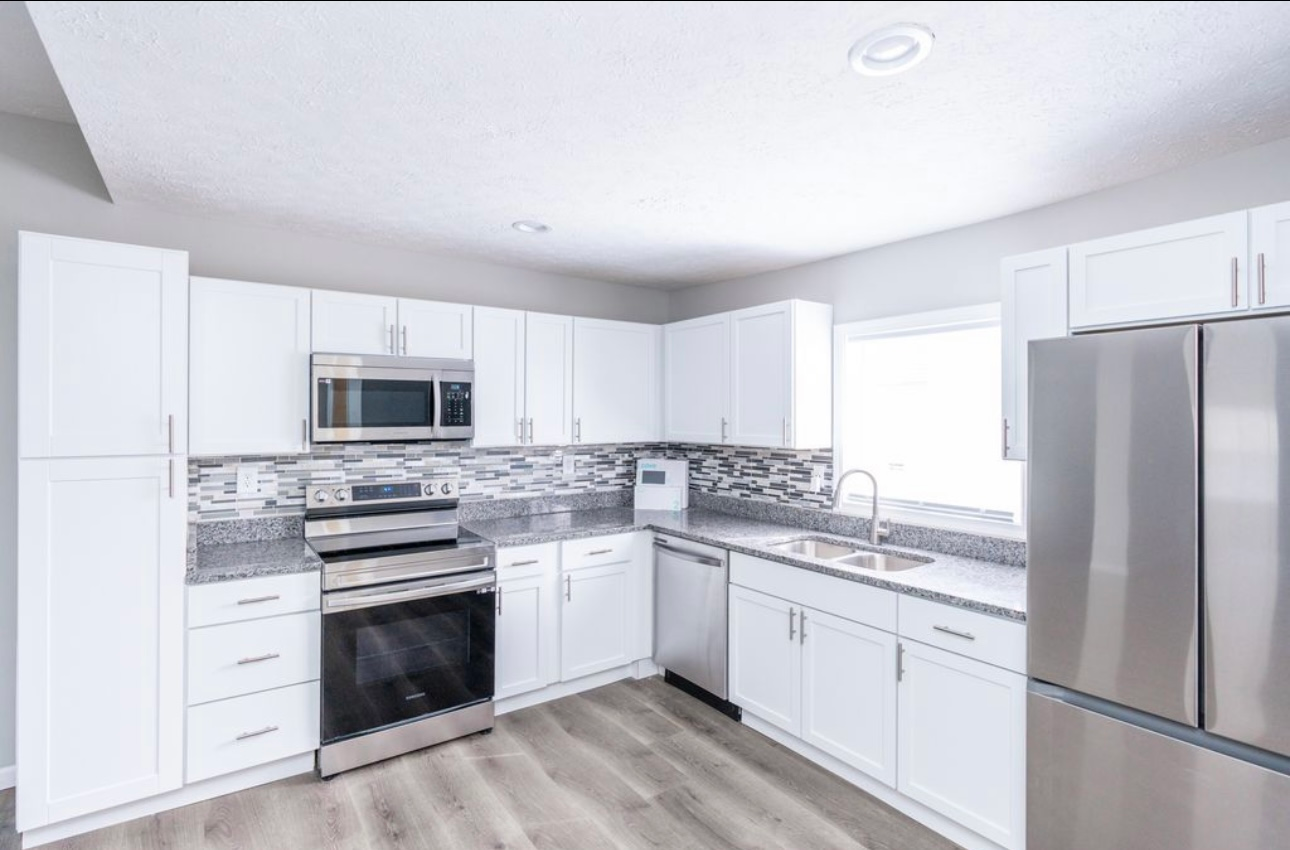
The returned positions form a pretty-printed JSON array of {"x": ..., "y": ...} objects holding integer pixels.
[
  {"x": 435, "y": 329},
  {"x": 354, "y": 323},
  {"x": 1034, "y": 307},
  {"x": 499, "y": 377},
  {"x": 249, "y": 368},
  {"x": 1270, "y": 257},
  {"x": 762, "y": 375},
  {"x": 103, "y": 341},
  {"x": 1195, "y": 268},
  {"x": 615, "y": 381},
  {"x": 696, "y": 380},
  {"x": 548, "y": 379}
]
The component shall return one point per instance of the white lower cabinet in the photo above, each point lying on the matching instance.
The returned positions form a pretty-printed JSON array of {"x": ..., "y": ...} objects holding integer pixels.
[
  {"x": 528, "y": 620},
  {"x": 765, "y": 662},
  {"x": 963, "y": 741},
  {"x": 596, "y": 620},
  {"x": 235, "y": 734}
]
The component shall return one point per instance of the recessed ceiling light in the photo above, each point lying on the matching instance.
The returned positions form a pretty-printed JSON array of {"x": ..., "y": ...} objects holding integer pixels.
[
  {"x": 528, "y": 226},
  {"x": 891, "y": 50}
]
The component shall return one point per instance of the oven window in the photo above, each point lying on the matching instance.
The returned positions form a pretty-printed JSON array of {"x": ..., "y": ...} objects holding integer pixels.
[
  {"x": 412, "y": 647},
  {"x": 371, "y": 403}
]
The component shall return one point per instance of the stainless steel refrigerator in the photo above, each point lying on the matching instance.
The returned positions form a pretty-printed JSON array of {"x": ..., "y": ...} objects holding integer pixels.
[{"x": 1159, "y": 589}]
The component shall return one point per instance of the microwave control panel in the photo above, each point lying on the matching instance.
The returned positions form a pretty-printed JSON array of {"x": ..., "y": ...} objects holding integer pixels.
[{"x": 454, "y": 400}]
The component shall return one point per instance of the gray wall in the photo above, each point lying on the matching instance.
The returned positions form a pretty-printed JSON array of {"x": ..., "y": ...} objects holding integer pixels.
[
  {"x": 48, "y": 182},
  {"x": 959, "y": 267}
]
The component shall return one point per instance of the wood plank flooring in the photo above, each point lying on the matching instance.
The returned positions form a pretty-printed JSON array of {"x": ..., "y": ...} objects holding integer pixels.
[{"x": 631, "y": 766}]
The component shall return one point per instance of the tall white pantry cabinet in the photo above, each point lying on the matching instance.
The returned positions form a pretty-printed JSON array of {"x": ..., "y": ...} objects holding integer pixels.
[{"x": 102, "y": 443}]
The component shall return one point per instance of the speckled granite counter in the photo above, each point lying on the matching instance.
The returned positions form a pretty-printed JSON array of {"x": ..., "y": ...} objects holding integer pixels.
[
  {"x": 991, "y": 588},
  {"x": 236, "y": 549}
]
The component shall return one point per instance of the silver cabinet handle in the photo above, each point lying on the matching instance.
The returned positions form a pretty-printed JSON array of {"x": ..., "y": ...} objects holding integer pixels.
[
  {"x": 500, "y": 594},
  {"x": 519, "y": 430},
  {"x": 577, "y": 430},
  {"x": 391, "y": 339},
  {"x": 801, "y": 630},
  {"x": 1005, "y": 436},
  {"x": 792, "y": 631},
  {"x": 304, "y": 434},
  {"x": 172, "y": 478},
  {"x": 524, "y": 563},
  {"x": 530, "y": 429},
  {"x": 783, "y": 430},
  {"x": 900, "y": 661},
  {"x": 723, "y": 429},
  {"x": 1263, "y": 279},
  {"x": 257, "y": 733},
  {"x": 568, "y": 588},
  {"x": 597, "y": 552},
  {"x": 256, "y": 599},
  {"x": 947, "y": 630},
  {"x": 268, "y": 656},
  {"x": 403, "y": 332},
  {"x": 170, "y": 426},
  {"x": 1236, "y": 292}
]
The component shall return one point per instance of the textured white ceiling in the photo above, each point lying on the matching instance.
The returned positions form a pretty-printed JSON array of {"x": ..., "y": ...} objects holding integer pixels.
[
  {"x": 665, "y": 143},
  {"x": 27, "y": 82}
]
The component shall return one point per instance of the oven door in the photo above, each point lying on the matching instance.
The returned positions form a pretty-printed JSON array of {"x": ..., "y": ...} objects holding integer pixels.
[
  {"x": 373, "y": 404},
  {"x": 405, "y": 651}
]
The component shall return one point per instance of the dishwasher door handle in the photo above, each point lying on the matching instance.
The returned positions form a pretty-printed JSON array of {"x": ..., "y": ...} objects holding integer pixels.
[{"x": 685, "y": 555}]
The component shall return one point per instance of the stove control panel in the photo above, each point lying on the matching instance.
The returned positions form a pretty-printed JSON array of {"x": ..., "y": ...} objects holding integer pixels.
[{"x": 393, "y": 492}]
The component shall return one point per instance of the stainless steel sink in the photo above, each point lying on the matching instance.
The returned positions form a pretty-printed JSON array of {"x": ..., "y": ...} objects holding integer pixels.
[
  {"x": 878, "y": 562},
  {"x": 844, "y": 555},
  {"x": 815, "y": 549}
]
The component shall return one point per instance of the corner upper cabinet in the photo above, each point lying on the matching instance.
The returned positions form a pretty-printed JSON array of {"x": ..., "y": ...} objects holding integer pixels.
[
  {"x": 353, "y": 323},
  {"x": 1034, "y": 307},
  {"x": 103, "y": 331},
  {"x": 696, "y": 380},
  {"x": 615, "y": 381},
  {"x": 248, "y": 367},
  {"x": 1194, "y": 268},
  {"x": 1270, "y": 257},
  {"x": 435, "y": 329}
]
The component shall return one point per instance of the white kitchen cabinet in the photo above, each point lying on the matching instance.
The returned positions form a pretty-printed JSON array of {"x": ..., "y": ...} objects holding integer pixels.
[
  {"x": 597, "y": 622},
  {"x": 849, "y": 692},
  {"x": 781, "y": 375},
  {"x": 435, "y": 329},
  {"x": 354, "y": 323},
  {"x": 765, "y": 660},
  {"x": 528, "y": 631},
  {"x": 1034, "y": 307},
  {"x": 103, "y": 342},
  {"x": 239, "y": 733},
  {"x": 1194, "y": 268},
  {"x": 1270, "y": 257},
  {"x": 548, "y": 379},
  {"x": 962, "y": 741},
  {"x": 615, "y": 381},
  {"x": 696, "y": 380},
  {"x": 101, "y": 558},
  {"x": 499, "y": 377},
  {"x": 248, "y": 368}
]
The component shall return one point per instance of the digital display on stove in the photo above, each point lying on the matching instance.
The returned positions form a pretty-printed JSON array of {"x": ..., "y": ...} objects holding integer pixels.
[{"x": 376, "y": 492}]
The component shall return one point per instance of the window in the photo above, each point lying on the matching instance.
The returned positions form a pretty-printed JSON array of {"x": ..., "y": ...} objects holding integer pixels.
[{"x": 917, "y": 404}]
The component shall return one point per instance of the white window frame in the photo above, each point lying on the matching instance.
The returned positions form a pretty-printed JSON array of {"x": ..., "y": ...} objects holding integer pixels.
[{"x": 959, "y": 317}]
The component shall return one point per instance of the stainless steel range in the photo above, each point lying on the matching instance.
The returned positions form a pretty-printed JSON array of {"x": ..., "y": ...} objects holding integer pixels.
[{"x": 408, "y": 624}]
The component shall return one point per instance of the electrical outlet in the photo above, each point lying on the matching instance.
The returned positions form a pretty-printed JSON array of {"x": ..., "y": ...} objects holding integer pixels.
[
  {"x": 569, "y": 465},
  {"x": 817, "y": 479},
  {"x": 248, "y": 480}
]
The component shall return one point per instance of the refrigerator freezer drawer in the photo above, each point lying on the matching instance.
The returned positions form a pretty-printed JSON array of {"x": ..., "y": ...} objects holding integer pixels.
[{"x": 1097, "y": 783}]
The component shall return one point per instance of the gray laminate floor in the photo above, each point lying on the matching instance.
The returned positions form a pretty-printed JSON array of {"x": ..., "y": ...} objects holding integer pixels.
[{"x": 631, "y": 765}]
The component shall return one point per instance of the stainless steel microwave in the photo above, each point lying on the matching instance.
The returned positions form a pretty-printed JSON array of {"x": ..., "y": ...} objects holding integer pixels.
[{"x": 387, "y": 399}]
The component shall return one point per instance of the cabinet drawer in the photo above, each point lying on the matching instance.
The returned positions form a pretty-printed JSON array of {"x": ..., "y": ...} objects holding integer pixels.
[
  {"x": 248, "y": 599},
  {"x": 516, "y": 561},
  {"x": 256, "y": 655},
  {"x": 597, "y": 551},
  {"x": 850, "y": 600},
  {"x": 242, "y": 732},
  {"x": 980, "y": 636}
]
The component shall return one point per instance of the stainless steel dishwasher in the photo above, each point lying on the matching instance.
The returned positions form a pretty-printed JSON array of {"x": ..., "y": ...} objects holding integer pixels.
[{"x": 690, "y": 618}]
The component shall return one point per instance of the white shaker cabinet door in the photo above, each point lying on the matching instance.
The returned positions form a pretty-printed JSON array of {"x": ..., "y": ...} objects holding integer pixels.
[
  {"x": 354, "y": 323},
  {"x": 761, "y": 375},
  {"x": 435, "y": 329},
  {"x": 615, "y": 381},
  {"x": 100, "y": 634},
  {"x": 1034, "y": 307},
  {"x": 103, "y": 342},
  {"x": 527, "y": 634},
  {"x": 696, "y": 365},
  {"x": 499, "y": 377},
  {"x": 765, "y": 661},
  {"x": 548, "y": 379},
  {"x": 596, "y": 620},
  {"x": 1270, "y": 257},
  {"x": 249, "y": 368}
]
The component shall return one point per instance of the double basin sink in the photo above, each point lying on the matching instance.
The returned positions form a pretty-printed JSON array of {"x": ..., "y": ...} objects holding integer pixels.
[{"x": 849, "y": 556}]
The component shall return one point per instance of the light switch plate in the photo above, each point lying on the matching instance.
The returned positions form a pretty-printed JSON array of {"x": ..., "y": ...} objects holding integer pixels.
[{"x": 248, "y": 480}]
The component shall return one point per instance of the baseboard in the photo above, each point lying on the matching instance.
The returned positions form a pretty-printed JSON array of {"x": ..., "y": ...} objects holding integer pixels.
[
  {"x": 8, "y": 777},
  {"x": 934, "y": 821},
  {"x": 186, "y": 796}
]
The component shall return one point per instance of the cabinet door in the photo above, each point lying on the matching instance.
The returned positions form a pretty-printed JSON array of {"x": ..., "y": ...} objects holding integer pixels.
[
  {"x": 1034, "y": 307},
  {"x": 849, "y": 692},
  {"x": 1194, "y": 268},
  {"x": 765, "y": 660},
  {"x": 499, "y": 377},
  {"x": 103, "y": 348},
  {"x": 1270, "y": 257},
  {"x": 615, "y": 381},
  {"x": 526, "y": 634},
  {"x": 596, "y": 620},
  {"x": 352, "y": 323},
  {"x": 761, "y": 370},
  {"x": 435, "y": 329},
  {"x": 248, "y": 368},
  {"x": 962, "y": 741},
  {"x": 696, "y": 380},
  {"x": 100, "y": 634},
  {"x": 548, "y": 379}
]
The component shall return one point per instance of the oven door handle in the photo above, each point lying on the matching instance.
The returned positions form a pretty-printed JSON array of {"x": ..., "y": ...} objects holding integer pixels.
[{"x": 352, "y": 599}]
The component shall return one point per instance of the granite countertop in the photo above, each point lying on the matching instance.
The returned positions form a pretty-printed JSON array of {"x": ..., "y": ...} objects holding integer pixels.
[
  {"x": 216, "y": 561},
  {"x": 984, "y": 586}
]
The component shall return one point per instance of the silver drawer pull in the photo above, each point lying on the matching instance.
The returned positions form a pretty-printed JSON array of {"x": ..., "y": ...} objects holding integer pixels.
[
  {"x": 266, "y": 657},
  {"x": 599, "y": 552},
  {"x": 947, "y": 630},
  {"x": 257, "y": 733},
  {"x": 254, "y": 599},
  {"x": 524, "y": 563}
]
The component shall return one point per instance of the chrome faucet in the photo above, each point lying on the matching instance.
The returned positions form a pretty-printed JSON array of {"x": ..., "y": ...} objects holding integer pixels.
[{"x": 877, "y": 528}]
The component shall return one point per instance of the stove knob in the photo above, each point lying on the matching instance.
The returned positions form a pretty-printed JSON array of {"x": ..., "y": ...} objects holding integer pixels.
[
  {"x": 342, "y": 495},
  {"x": 429, "y": 489},
  {"x": 446, "y": 488},
  {"x": 320, "y": 496}
]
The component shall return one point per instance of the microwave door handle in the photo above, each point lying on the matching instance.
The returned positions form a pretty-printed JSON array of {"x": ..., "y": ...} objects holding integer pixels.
[{"x": 436, "y": 402}]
